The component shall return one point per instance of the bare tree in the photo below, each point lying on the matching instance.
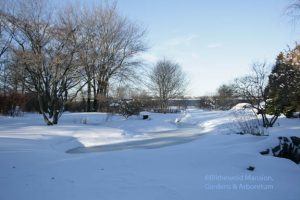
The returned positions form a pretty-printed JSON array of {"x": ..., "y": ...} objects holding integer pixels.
[
  {"x": 167, "y": 81},
  {"x": 5, "y": 38},
  {"x": 110, "y": 45},
  {"x": 253, "y": 88},
  {"x": 46, "y": 49},
  {"x": 88, "y": 53}
]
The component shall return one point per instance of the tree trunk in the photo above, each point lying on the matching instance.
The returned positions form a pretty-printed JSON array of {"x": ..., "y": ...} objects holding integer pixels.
[
  {"x": 41, "y": 105},
  {"x": 89, "y": 96},
  {"x": 55, "y": 117},
  {"x": 102, "y": 95},
  {"x": 273, "y": 120},
  {"x": 46, "y": 120},
  {"x": 95, "y": 103},
  {"x": 164, "y": 105}
]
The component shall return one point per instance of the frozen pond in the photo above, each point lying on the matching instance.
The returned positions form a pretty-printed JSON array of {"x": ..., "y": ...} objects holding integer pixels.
[{"x": 154, "y": 140}]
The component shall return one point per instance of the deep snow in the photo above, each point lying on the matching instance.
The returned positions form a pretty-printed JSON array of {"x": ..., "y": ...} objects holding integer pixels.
[{"x": 212, "y": 165}]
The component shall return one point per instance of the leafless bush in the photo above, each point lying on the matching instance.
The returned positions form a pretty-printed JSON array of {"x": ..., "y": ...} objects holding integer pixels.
[
  {"x": 245, "y": 121},
  {"x": 252, "y": 88},
  {"x": 129, "y": 108}
]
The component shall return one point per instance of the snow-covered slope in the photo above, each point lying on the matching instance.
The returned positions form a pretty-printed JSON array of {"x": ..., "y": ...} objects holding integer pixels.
[{"x": 34, "y": 163}]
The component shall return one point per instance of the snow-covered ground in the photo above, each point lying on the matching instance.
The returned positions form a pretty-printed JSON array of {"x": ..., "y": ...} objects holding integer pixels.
[{"x": 210, "y": 163}]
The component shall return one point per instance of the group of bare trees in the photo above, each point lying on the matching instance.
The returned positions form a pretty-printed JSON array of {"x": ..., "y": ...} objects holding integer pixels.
[
  {"x": 57, "y": 53},
  {"x": 110, "y": 44}
]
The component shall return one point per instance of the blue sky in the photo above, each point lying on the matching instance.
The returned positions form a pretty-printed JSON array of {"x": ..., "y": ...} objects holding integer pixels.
[{"x": 214, "y": 41}]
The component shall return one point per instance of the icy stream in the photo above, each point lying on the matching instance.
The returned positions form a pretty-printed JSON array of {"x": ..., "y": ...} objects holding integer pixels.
[{"x": 181, "y": 135}]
